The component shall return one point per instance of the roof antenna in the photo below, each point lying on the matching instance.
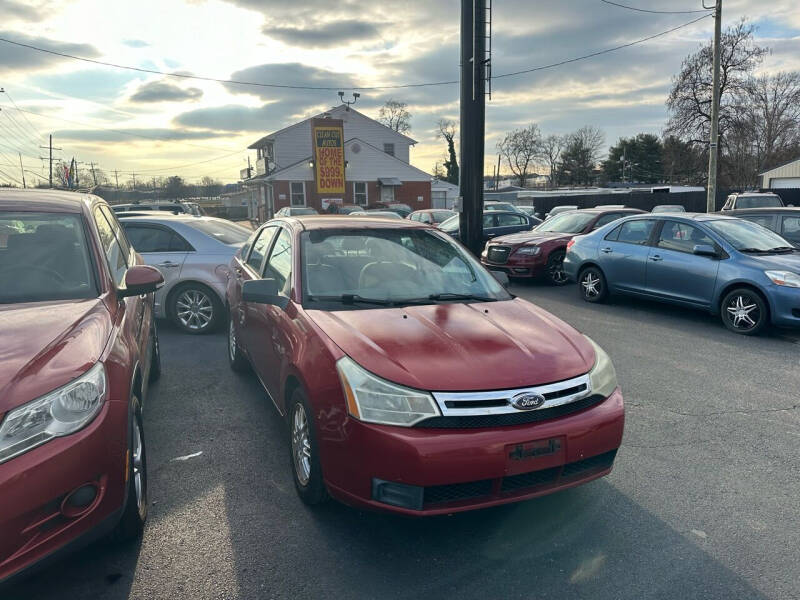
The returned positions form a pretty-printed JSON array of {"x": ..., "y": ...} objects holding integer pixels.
[{"x": 347, "y": 103}]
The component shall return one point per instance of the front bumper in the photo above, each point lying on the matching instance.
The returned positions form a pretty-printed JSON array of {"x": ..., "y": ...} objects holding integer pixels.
[
  {"x": 519, "y": 265},
  {"x": 37, "y": 520},
  {"x": 465, "y": 469},
  {"x": 784, "y": 305}
]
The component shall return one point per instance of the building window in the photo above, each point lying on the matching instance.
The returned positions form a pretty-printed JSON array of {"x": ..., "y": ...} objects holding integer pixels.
[
  {"x": 298, "y": 189},
  {"x": 360, "y": 193},
  {"x": 389, "y": 149}
]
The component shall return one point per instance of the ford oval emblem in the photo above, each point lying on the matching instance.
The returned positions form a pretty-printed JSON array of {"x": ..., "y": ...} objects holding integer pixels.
[{"x": 527, "y": 401}]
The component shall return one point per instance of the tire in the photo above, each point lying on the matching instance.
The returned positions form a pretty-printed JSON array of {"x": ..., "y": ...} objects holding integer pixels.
[
  {"x": 236, "y": 359},
  {"x": 131, "y": 525},
  {"x": 592, "y": 285},
  {"x": 194, "y": 308},
  {"x": 744, "y": 311},
  {"x": 155, "y": 356},
  {"x": 555, "y": 268},
  {"x": 304, "y": 451}
]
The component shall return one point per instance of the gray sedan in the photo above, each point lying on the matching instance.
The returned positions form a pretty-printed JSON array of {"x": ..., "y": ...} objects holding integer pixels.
[{"x": 193, "y": 254}]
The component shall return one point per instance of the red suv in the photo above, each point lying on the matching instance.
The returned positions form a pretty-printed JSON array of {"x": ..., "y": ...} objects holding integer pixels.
[
  {"x": 411, "y": 381},
  {"x": 79, "y": 346},
  {"x": 541, "y": 251}
]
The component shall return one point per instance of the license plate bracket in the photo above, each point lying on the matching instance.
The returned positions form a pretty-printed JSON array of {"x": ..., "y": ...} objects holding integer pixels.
[{"x": 532, "y": 456}]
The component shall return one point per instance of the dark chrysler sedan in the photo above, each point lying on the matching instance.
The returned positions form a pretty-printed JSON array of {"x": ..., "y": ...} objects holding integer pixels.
[
  {"x": 540, "y": 252},
  {"x": 79, "y": 346},
  {"x": 411, "y": 381}
]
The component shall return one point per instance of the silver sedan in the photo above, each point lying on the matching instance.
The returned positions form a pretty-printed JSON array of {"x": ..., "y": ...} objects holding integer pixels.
[{"x": 193, "y": 254}]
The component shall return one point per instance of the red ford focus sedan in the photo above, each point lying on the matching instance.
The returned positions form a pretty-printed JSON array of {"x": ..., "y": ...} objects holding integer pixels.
[
  {"x": 410, "y": 379},
  {"x": 79, "y": 346}
]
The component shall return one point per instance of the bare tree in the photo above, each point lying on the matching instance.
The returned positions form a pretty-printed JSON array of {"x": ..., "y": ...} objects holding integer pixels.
[
  {"x": 395, "y": 116},
  {"x": 689, "y": 100},
  {"x": 447, "y": 131},
  {"x": 582, "y": 151},
  {"x": 521, "y": 149},
  {"x": 438, "y": 170},
  {"x": 551, "y": 147}
]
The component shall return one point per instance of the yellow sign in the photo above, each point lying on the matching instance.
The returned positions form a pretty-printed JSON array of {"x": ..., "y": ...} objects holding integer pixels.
[{"x": 328, "y": 141}]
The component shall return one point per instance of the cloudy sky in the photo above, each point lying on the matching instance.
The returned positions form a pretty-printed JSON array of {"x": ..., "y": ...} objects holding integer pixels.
[{"x": 157, "y": 125}]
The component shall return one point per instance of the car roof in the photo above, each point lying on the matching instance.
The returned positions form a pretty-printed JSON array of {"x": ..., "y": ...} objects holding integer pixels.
[
  {"x": 737, "y": 194},
  {"x": 316, "y": 222},
  {"x": 764, "y": 209},
  {"x": 44, "y": 200},
  {"x": 685, "y": 216},
  {"x": 158, "y": 215}
]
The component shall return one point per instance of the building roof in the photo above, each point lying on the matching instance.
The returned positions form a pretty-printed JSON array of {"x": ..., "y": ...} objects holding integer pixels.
[
  {"x": 332, "y": 112},
  {"x": 791, "y": 162}
]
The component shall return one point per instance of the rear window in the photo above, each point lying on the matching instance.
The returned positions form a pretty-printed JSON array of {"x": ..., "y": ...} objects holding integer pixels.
[
  {"x": 758, "y": 201},
  {"x": 44, "y": 256},
  {"x": 223, "y": 231}
]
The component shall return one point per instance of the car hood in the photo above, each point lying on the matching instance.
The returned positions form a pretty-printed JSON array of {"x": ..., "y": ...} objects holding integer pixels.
[
  {"x": 44, "y": 345},
  {"x": 790, "y": 262},
  {"x": 532, "y": 237},
  {"x": 459, "y": 346}
]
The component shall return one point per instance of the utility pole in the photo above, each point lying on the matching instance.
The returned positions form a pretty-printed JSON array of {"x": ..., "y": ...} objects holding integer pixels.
[
  {"x": 50, "y": 159},
  {"x": 475, "y": 20},
  {"x": 94, "y": 175},
  {"x": 133, "y": 173},
  {"x": 116, "y": 178},
  {"x": 497, "y": 181},
  {"x": 713, "y": 147},
  {"x": 22, "y": 170}
]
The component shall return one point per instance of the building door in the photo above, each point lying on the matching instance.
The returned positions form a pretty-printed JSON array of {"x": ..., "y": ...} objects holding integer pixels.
[{"x": 387, "y": 193}]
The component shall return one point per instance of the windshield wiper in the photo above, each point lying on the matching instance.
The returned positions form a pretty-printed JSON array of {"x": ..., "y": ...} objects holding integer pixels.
[
  {"x": 777, "y": 249},
  {"x": 782, "y": 249},
  {"x": 451, "y": 296},
  {"x": 753, "y": 250},
  {"x": 351, "y": 299}
]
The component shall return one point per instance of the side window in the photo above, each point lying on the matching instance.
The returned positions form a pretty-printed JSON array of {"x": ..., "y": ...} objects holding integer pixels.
[
  {"x": 728, "y": 203},
  {"x": 149, "y": 239},
  {"x": 636, "y": 232},
  {"x": 279, "y": 266},
  {"x": 115, "y": 256},
  {"x": 791, "y": 229},
  {"x": 425, "y": 218},
  {"x": 612, "y": 237},
  {"x": 681, "y": 237},
  {"x": 117, "y": 229},
  {"x": 488, "y": 221},
  {"x": 260, "y": 249},
  {"x": 763, "y": 220},
  {"x": 606, "y": 219},
  {"x": 507, "y": 220}
]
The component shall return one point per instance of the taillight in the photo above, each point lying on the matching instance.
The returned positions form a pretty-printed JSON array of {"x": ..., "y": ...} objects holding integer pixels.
[{"x": 570, "y": 244}]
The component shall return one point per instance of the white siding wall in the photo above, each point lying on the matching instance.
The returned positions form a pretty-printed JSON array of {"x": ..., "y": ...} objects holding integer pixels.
[
  {"x": 294, "y": 144},
  {"x": 786, "y": 171},
  {"x": 369, "y": 164}
]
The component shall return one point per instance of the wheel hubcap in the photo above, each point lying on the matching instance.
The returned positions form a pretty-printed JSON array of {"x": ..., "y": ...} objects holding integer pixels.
[
  {"x": 591, "y": 285},
  {"x": 232, "y": 340},
  {"x": 194, "y": 309},
  {"x": 743, "y": 312},
  {"x": 137, "y": 458},
  {"x": 301, "y": 445},
  {"x": 557, "y": 273}
]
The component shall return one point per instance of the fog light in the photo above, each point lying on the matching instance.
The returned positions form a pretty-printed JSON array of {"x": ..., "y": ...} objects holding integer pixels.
[
  {"x": 78, "y": 501},
  {"x": 398, "y": 494}
]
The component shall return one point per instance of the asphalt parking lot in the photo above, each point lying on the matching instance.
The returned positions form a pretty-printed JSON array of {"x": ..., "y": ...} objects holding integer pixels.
[{"x": 703, "y": 501}]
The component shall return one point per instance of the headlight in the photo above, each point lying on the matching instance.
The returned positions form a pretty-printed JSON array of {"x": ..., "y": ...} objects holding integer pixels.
[
  {"x": 374, "y": 400},
  {"x": 59, "y": 413},
  {"x": 786, "y": 278},
  {"x": 602, "y": 377},
  {"x": 530, "y": 250}
]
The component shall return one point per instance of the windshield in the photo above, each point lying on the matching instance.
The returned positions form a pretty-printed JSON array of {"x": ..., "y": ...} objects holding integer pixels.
[
  {"x": 450, "y": 225},
  {"x": 43, "y": 256},
  {"x": 748, "y": 236},
  {"x": 303, "y": 211},
  {"x": 390, "y": 267},
  {"x": 573, "y": 222},
  {"x": 669, "y": 208},
  {"x": 223, "y": 231},
  {"x": 758, "y": 201},
  {"x": 500, "y": 206}
]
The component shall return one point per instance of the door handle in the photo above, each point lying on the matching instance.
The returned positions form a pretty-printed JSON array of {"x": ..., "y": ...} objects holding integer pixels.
[
  {"x": 656, "y": 258},
  {"x": 168, "y": 264},
  {"x": 606, "y": 250}
]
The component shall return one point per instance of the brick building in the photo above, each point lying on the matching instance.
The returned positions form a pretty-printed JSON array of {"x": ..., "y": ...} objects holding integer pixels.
[{"x": 377, "y": 166}]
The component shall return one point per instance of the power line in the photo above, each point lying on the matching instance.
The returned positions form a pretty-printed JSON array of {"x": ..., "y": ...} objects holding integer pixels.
[
  {"x": 31, "y": 125},
  {"x": 655, "y": 12},
  {"x": 600, "y": 52},
  {"x": 368, "y": 88}
]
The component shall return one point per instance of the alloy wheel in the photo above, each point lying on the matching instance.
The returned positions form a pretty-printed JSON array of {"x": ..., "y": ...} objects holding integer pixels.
[
  {"x": 557, "y": 273},
  {"x": 301, "y": 445},
  {"x": 194, "y": 309},
  {"x": 139, "y": 476},
  {"x": 742, "y": 312},
  {"x": 232, "y": 340},
  {"x": 591, "y": 284}
]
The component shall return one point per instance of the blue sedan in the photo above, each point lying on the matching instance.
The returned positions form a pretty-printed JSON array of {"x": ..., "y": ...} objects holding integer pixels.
[{"x": 739, "y": 270}]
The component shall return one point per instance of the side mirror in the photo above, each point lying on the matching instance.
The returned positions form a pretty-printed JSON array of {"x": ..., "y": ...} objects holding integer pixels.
[
  {"x": 141, "y": 279},
  {"x": 502, "y": 278},
  {"x": 263, "y": 291},
  {"x": 704, "y": 250}
]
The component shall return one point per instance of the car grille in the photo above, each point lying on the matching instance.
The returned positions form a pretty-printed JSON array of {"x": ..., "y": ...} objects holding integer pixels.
[
  {"x": 466, "y": 410},
  {"x": 516, "y": 484},
  {"x": 498, "y": 254}
]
